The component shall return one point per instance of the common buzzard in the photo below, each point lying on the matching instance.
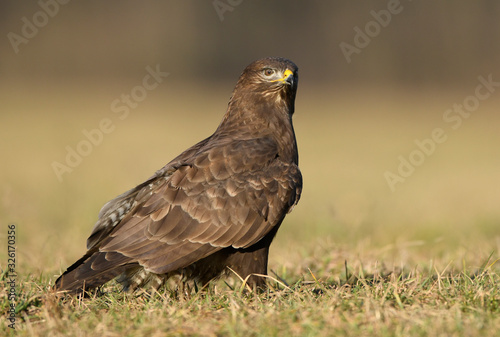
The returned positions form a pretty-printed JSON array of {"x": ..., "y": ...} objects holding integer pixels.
[{"x": 216, "y": 207}]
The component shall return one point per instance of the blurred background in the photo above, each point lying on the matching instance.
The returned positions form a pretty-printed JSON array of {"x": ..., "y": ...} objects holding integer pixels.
[{"x": 78, "y": 127}]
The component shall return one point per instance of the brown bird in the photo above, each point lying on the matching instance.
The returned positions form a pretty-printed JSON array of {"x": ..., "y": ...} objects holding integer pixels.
[{"x": 216, "y": 207}]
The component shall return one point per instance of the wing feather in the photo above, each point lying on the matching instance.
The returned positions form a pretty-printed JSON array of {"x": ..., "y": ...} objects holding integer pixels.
[{"x": 205, "y": 205}]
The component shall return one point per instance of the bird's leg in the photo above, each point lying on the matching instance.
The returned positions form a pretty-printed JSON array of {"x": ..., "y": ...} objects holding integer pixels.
[{"x": 246, "y": 263}]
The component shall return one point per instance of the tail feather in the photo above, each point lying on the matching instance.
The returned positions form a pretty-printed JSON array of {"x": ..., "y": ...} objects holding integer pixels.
[
  {"x": 93, "y": 270},
  {"x": 134, "y": 278}
]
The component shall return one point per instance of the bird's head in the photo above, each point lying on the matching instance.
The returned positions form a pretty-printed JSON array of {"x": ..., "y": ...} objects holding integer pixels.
[{"x": 272, "y": 81}]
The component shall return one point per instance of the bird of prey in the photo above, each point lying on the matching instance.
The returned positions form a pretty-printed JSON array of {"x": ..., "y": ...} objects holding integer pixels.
[{"x": 214, "y": 208}]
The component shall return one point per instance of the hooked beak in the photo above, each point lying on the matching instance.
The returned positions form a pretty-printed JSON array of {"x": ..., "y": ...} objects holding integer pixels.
[{"x": 287, "y": 77}]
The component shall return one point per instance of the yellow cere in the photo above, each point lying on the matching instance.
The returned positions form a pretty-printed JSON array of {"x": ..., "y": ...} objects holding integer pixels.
[{"x": 287, "y": 73}]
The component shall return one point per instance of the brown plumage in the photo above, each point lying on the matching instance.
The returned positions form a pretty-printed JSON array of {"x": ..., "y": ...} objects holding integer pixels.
[{"x": 215, "y": 207}]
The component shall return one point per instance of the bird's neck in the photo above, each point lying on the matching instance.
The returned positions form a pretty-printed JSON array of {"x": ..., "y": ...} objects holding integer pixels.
[{"x": 247, "y": 119}]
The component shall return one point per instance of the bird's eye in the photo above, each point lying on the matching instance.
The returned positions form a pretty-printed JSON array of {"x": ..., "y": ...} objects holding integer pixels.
[{"x": 268, "y": 72}]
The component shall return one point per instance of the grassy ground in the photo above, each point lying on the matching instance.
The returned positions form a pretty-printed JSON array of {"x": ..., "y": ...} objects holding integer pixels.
[{"x": 354, "y": 258}]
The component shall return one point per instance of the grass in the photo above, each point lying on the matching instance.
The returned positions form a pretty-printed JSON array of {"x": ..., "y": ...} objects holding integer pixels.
[
  {"x": 424, "y": 301},
  {"x": 357, "y": 259}
]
